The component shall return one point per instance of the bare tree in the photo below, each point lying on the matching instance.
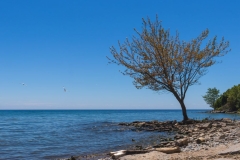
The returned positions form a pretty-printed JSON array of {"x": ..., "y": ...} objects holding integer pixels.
[{"x": 159, "y": 61}]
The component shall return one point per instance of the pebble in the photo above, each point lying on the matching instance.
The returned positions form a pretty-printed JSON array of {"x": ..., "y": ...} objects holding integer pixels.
[{"x": 215, "y": 133}]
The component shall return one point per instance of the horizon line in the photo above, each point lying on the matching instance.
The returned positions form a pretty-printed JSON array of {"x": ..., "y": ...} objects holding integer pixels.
[{"x": 101, "y": 109}]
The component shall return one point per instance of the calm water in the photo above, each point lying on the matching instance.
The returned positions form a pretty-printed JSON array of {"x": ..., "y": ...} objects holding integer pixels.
[{"x": 52, "y": 134}]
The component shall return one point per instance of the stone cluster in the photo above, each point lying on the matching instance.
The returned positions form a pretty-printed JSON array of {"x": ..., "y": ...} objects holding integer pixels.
[{"x": 193, "y": 135}]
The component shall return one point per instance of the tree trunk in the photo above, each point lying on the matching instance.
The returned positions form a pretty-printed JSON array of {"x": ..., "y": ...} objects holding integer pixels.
[
  {"x": 181, "y": 101},
  {"x": 184, "y": 111}
]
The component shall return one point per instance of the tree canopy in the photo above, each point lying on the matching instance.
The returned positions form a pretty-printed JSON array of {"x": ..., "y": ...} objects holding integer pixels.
[
  {"x": 229, "y": 100},
  {"x": 211, "y": 96},
  {"x": 161, "y": 62}
]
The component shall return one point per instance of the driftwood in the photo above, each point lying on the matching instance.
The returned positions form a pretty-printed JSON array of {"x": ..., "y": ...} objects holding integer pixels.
[
  {"x": 118, "y": 154},
  {"x": 169, "y": 150},
  {"x": 136, "y": 151}
]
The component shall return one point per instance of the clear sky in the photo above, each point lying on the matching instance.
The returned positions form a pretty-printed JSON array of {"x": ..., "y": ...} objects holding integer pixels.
[{"x": 48, "y": 44}]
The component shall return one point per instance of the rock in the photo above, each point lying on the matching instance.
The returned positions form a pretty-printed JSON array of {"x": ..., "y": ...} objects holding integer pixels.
[
  {"x": 178, "y": 136},
  {"x": 166, "y": 129},
  {"x": 182, "y": 142},
  {"x": 72, "y": 158},
  {"x": 206, "y": 126},
  {"x": 187, "y": 132},
  {"x": 237, "y": 122},
  {"x": 237, "y": 133},
  {"x": 195, "y": 129},
  {"x": 140, "y": 124},
  {"x": 225, "y": 129},
  {"x": 221, "y": 137},
  {"x": 155, "y": 121},
  {"x": 139, "y": 147},
  {"x": 226, "y": 120},
  {"x": 168, "y": 145},
  {"x": 201, "y": 135},
  {"x": 223, "y": 124},
  {"x": 169, "y": 150},
  {"x": 231, "y": 150},
  {"x": 174, "y": 122},
  {"x": 164, "y": 143},
  {"x": 217, "y": 125},
  {"x": 213, "y": 130},
  {"x": 200, "y": 140}
]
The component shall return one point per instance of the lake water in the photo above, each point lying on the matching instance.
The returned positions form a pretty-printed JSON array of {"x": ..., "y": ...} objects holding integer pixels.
[{"x": 52, "y": 134}]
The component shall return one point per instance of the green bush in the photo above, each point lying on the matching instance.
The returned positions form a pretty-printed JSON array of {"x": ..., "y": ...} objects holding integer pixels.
[{"x": 229, "y": 99}]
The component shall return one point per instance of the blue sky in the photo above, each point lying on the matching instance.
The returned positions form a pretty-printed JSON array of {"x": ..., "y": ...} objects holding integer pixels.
[{"x": 51, "y": 44}]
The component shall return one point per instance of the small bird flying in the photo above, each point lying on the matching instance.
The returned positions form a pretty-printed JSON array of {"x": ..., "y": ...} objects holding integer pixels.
[{"x": 23, "y": 84}]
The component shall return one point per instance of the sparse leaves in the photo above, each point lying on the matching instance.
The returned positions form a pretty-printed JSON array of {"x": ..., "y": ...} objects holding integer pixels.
[{"x": 159, "y": 61}]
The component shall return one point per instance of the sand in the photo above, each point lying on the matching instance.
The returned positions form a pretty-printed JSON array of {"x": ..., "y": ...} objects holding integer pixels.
[{"x": 210, "y": 154}]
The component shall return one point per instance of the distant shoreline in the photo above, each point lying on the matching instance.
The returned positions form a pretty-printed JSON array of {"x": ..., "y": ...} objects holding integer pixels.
[{"x": 227, "y": 112}]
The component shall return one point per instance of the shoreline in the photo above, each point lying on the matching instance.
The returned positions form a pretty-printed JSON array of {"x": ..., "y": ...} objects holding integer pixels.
[
  {"x": 208, "y": 137},
  {"x": 222, "y": 111}
]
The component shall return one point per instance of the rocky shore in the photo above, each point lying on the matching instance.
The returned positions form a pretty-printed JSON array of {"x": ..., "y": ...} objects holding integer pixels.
[
  {"x": 211, "y": 138},
  {"x": 223, "y": 111}
]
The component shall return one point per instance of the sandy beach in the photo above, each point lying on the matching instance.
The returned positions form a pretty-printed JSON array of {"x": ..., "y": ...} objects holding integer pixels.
[{"x": 202, "y": 154}]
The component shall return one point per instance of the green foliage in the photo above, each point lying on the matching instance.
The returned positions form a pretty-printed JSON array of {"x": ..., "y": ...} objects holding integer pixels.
[
  {"x": 211, "y": 96},
  {"x": 222, "y": 100},
  {"x": 229, "y": 100}
]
